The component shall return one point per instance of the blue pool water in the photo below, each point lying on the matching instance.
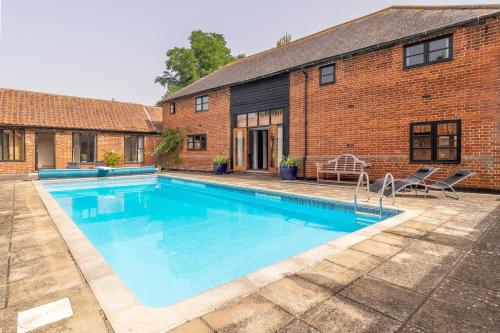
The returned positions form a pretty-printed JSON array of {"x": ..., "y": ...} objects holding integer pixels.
[{"x": 170, "y": 239}]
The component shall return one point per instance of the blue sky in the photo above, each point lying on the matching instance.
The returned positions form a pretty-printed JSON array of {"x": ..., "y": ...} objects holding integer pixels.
[{"x": 115, "y": 48}]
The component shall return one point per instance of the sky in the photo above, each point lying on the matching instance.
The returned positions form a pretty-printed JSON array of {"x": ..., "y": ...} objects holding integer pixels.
[{"x": 115, "y": 48}]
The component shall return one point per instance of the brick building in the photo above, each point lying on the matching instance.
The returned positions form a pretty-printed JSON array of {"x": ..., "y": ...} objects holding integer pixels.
[
  {"x": 399, "y": 88},
  {"x": 39, "y": 130}
]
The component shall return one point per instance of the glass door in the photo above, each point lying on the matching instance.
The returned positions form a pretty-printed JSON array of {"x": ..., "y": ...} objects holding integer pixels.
[
  {"x": 240, "y": 147},
  {"x": 272, "y": 146}
]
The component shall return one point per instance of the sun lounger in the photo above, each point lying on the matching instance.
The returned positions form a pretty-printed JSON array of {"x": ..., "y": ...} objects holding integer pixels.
[
  {"x": 448, "y": 183},
  {"x": 411, "y": 182}
]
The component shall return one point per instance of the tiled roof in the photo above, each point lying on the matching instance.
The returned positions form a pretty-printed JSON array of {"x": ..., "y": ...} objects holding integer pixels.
[
  {"x": 34, "y": 109},
  {"x": 376, "y": 29}
]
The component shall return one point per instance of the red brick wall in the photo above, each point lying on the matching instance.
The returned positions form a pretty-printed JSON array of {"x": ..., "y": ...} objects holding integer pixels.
[
  {"x": 371, "y": 106},
  {"x": 215, "y": 123},
  {"x": 64, "y": 142},
  {"x": 385, "y": 99}
]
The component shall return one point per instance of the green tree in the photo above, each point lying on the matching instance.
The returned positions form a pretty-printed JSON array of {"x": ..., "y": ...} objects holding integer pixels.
[
  {"x": 285, "y": 39},
  {"x": 208, "y": 51}
]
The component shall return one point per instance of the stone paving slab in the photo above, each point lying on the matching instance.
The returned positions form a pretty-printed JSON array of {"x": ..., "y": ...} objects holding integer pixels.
[
  {"x": 393, "y": 301},
  {"x": 355, "y": 260},
  {"x": 249, "y": 314},
  {"x": 458, "y": 307},
  {"x": 377, "y": 249},
  {"x": 298, "y": 326},
  {"x": 295, "y": 295},
  {"x": 329, "y": 275},
  {"x": 419, "y": 273},
  {"x": 479, "y": 268},
  {"x": 339, "y": 314},
  {"x": 194, "y": 326}
]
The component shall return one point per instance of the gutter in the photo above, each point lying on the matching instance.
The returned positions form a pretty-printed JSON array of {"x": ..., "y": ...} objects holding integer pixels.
[
  {"x": 306, "y": 81},
  {"x": 343, "y": 55}
]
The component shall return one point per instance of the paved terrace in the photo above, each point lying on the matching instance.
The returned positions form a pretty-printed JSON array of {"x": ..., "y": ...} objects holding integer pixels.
[{"x": 437, "y": 272}]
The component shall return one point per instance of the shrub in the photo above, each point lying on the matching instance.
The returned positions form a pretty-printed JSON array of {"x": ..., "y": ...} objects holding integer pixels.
[
  {"x": 170, "y": 146},
  {"x": 289, "y": 161},
  {"x": 221, "y": 159},
  {"x": 112, "y": 159}
]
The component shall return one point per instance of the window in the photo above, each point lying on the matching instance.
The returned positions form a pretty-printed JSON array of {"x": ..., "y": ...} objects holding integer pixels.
[
  {"x": 202, "y": 103},
  {"x": 172, "y": 108},
  {"x": 327, "y": 74},
  {"x": 277, "y": 116},
  {"x": 428, "y": 52},
  {"x": 197, "y": 142},
  {"x": 252, "y": 119},
  {"x": 134, "y": 149},
  {"x": 84, "y": 147},
  {"x": 437, "y": 141},
  {"x": 241, "y": 120},
  {"x": 263, "y": 118},
  {"x": 11, "y": 145}
]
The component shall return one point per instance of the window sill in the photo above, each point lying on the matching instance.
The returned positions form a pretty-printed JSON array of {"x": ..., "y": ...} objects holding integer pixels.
[
  {"x": 2, "y": 161},
  {"x": 326, "y": 84},
  {"x": 435, "y": 162},
  {"x": 427, "y": 64}
]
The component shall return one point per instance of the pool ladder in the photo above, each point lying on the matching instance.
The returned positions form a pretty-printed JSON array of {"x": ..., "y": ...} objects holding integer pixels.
[{"x": 366, "y": 218}]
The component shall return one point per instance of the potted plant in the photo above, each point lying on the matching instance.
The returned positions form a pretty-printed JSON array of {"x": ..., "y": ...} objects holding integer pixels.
[
  {"x": 288, "y": 167},
  {"x": 84, "y": 157},
  {"x": 220, "y": 164}
]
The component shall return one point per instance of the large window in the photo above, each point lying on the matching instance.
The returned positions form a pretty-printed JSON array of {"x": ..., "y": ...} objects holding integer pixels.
[
  {"x": 436, "y": 141},
  {"x": 428, "y": 52},
  {"x": 84, "y": 147},
  {"x": 11, "y": 145},
  {"x": 262, "y": 118},
  {"x": 134, "y": 149},
  {"x": 197, "y": 142},
  {"x": 327, "y": 74},
  {"x": 201, "y": 103}
]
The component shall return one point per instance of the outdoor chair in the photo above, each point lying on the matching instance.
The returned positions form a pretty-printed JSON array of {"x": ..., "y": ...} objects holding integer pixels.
[
  {"x": 73, "y": 165},
  {"x": 448, "y": 183},
  {"x": 411, "y": 182}
]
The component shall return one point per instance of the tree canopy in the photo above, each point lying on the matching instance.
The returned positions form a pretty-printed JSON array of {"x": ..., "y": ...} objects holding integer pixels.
[{"x": 207, "y": 52}]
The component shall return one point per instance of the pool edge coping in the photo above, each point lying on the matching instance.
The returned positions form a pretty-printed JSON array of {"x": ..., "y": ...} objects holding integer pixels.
[{"x": 126, "y": 313}]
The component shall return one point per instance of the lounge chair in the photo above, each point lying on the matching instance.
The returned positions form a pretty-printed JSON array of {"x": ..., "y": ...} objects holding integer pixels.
[
  {"x": 411, "y": 182},
  {"x": 100, "y": 164},
  {"x": 448, "y": 183},
  {"x": 73, "y": 165}
]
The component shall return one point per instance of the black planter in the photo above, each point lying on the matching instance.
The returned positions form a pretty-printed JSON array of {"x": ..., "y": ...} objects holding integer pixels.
[
  {"x": 220, "y": 169},
  {"x": 288, "y": 173}
]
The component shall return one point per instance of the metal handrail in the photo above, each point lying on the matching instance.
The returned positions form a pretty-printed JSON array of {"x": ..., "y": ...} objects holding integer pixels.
[
  {"x": 360, "y": 183},
  {"x": 384, "y": 185}
]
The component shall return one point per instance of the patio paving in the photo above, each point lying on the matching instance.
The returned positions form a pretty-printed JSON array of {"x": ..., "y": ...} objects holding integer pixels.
[{"x": 438, "y": 272}]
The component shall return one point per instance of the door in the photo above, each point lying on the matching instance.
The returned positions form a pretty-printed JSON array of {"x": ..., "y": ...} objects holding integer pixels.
[
  {"x": 240, "y": 149},
  {"x": 45, "y": 151},
  {"x": 272, "y": 146}
]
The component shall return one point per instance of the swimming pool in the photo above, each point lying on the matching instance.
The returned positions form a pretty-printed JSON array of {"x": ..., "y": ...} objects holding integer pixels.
[{"x": 170, "y": 239}]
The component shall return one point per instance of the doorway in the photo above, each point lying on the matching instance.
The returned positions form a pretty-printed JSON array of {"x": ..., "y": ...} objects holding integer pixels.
[
  {"x": 258, "y": 141},
  {"x": 258, "y": 149},
  {"x": 45, "y": 157}
]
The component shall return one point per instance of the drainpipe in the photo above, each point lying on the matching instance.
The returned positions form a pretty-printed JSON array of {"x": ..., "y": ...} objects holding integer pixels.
[{"x": 306, "y": 78}]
